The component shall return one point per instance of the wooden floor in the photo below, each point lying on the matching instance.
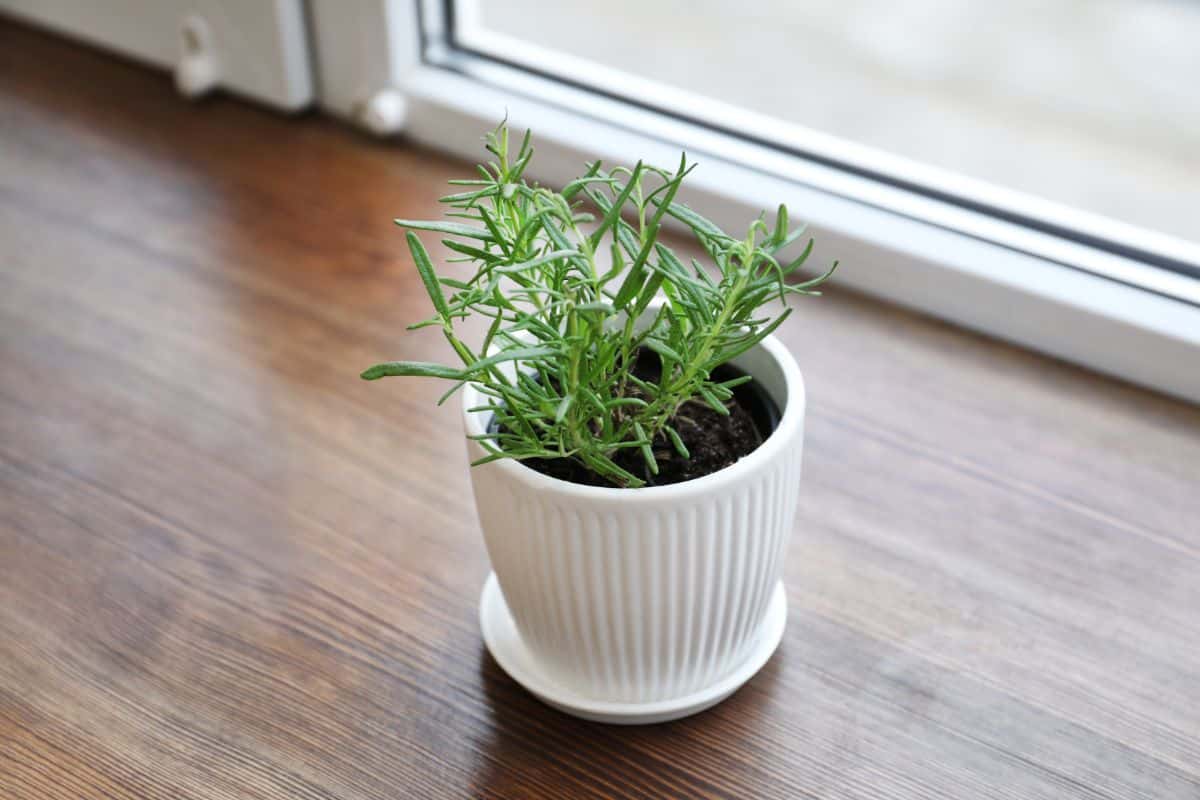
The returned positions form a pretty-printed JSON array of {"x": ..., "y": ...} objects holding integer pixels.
[{"x": 230, "y": 569}]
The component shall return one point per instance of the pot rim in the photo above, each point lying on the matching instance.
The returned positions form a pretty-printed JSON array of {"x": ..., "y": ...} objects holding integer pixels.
[{"x": 790, "y": 420}]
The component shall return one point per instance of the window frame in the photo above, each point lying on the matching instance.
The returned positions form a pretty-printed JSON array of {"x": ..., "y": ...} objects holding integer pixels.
[
  {"x": 466, "y": 37},
  {"x": 257, "y": 50},
  {"x": 1128, "y": 307}
]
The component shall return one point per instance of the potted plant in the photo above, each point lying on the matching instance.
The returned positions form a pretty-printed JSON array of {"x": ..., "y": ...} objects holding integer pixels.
[{"x": 635, "y": 432}]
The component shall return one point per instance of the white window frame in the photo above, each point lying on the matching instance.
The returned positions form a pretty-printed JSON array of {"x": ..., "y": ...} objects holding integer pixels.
[
  {"x": 387, "y": 65},
  {"x": 257, "y": 49},
  {"x": 1128, "y": 332}
]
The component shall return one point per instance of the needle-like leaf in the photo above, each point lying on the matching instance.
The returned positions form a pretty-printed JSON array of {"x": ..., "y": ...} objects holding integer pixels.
[
  {"x": 420, "y": 369},
  {"x": 456, "y": 228}
]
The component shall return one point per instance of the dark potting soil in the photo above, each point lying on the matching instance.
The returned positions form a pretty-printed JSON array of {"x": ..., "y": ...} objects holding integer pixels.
[{"x": 713, "y": 440}]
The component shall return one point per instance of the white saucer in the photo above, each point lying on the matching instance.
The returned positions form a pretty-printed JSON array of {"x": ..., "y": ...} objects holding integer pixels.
[{"x": 502, "y": 640}]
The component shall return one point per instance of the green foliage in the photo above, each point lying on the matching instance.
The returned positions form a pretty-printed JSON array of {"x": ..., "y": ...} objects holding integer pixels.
[{"x": 565, "y": 314}]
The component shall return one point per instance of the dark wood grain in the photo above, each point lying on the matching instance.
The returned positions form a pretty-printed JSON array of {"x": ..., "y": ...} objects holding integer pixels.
[{"x": 229, "y": 569}]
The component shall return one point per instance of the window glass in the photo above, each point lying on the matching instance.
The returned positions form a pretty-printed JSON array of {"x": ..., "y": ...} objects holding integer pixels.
[{"x": 1093, "y": 104}]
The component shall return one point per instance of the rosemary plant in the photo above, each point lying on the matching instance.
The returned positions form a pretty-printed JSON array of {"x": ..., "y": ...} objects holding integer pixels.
[{"x": 564, "y": 277}]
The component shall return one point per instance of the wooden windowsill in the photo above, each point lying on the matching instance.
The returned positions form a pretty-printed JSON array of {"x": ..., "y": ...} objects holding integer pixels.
[{"x": 230, "y": 569}]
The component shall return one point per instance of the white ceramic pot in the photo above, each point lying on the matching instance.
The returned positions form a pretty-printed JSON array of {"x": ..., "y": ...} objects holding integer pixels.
[{"x": 640, "y": 605}]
